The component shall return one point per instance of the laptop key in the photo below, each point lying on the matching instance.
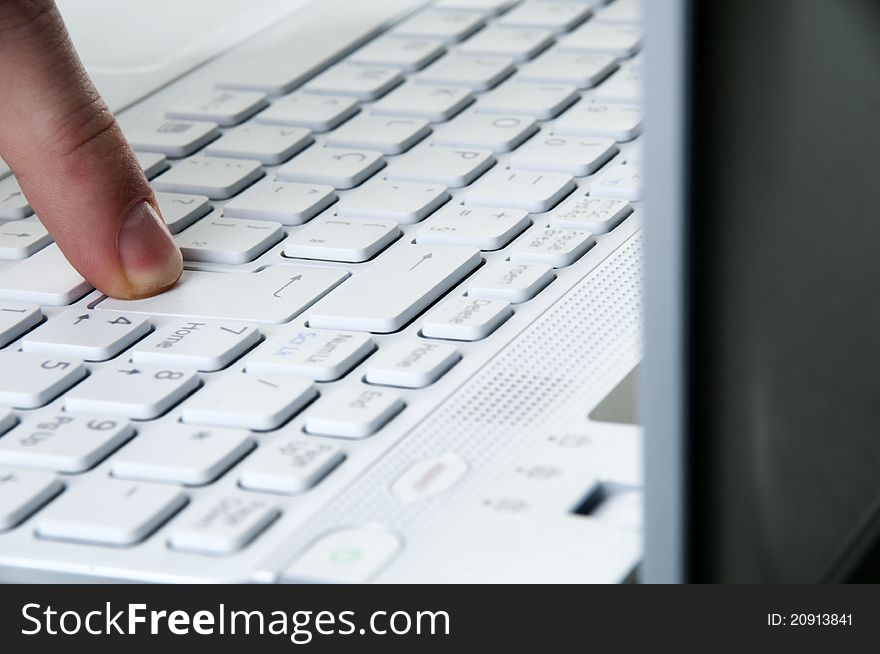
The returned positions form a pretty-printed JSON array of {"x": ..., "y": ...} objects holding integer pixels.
[
  {"x": 16, "y": 318},
  {"x": 510, "y": 281},
  {"x": 199, "y": 344},
  {"x": 340, "y": 168},
  {"x": 596, "y": 215},
  {"x": 616, "y": 40},
  {"x": 361, "y": 82},
  {"x": 289, "y": 203},
  {"x": 411, "y": 277},
  {"x": 110, "y": 512},
  {"x": 290, "y": 465},
  {"x": 487, "y": 229},
  {"x": 223, "y": 240},
  {"x": 5, "y": 171},
  {"x": 322, "y": 355},
  {"x": 43, "y": 278},
  {"x": 335, "y": 239},
  {"x": 354, "y": 412},
  {"x": 484, "y": 7},
  {"x": 181, "y": 210},
  {"x": 317, "y": 113},
  {"x": 581, "y": 69},
  {"x": 447, "y": 26},
  {"x": 63, "y": 442},
  {"x": 13, "y": 204},
  {"x": 624, "y": 181},
  {"x": 180, "y": 454},
  {"x": 223, "y": 107},
  {"x": 22, "y": 493},
  {"x": 7, "y": 420},
  {"x": 259, "y": 402},
  {"x": 434, "y": 103},
  {"x": 218, "y": 178},
  {"x": 405, "y": 202},
  {"x": 173, "y": 138},
  {"x": 472, "y": 72},
  {"x": 28, "y": 381},
  {"x": 498, "y": 133},
  {"x": 131, "y": 391},
  {"x": 411, "y": 363},
  {"x": 534, "y": 192},
  {"x": 406, "y": 53},
  {"x": 152, "y": 163},
  {"x": 83, "y": 334},
  {"x": 572, "y": 155},
  {"x": 273, "y": 295},
  {"x": 462, "y": 318},
  {"x": 555, "y": 15},
  {"x": 621, "y": 11},
  {"x": 452, "y": 167},
  {"x": 595, "y": 119},
  {"x": 268, "y": 144},
  {"x": 387, "y": 134},
  {"x": 555, "y": 247},
  {"x": 222, "y": 525},
  {"x": 624, "y": 86},
  {"x": 19, "y": 239},
  {"x": 517, "y": 43},
  {"x": 542, "y": 101}
]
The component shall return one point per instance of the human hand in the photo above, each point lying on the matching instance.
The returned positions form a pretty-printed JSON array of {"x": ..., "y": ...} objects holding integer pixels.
[{"x": 73, "y": 163}]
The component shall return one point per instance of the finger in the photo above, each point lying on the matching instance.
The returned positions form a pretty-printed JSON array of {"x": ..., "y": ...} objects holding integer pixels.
[{"x": 72, "y": 161}]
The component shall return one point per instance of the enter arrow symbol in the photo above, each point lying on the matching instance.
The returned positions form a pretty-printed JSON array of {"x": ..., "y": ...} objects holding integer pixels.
[
  {"x": 422, "y": 260},
  {"x": 291, "y": 281}
]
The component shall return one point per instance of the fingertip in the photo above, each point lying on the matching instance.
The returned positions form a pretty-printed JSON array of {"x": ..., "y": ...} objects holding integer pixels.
[{"x": 148, "y": 256}]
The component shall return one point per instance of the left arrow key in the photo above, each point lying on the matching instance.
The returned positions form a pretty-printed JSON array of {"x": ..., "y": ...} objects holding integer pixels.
[
  {"x": 74, "y": 334},
  {"x": 19, "y": 239}
]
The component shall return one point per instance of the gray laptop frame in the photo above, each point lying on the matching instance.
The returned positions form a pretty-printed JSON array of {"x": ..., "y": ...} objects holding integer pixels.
[{"x": 663, "y": 402}]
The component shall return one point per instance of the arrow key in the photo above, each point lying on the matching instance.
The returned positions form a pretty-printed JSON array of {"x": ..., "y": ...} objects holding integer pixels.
[
  {"x": 84, "y": 335},
  {"x": 19, "y": 239},
  {"x": 126, "y": 390},
  {"x": 13, "y": 204}
]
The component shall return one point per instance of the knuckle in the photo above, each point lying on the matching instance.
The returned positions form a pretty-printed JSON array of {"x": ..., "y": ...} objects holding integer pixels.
[{"x": 83, "y": 127}]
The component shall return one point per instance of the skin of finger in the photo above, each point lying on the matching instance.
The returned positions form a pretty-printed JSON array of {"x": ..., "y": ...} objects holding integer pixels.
[{"x": 64, "y": 145}]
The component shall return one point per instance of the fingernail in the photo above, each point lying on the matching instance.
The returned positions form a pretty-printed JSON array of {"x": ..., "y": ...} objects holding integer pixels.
[{"x": 147, "y": 252}]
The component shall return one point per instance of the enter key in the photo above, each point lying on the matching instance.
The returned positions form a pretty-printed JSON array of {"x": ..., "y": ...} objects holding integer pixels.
[{"x": 274, "y": 295}]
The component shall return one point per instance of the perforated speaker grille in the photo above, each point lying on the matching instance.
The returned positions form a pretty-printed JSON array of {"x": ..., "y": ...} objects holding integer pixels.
[{"x": 557, "y": 369}]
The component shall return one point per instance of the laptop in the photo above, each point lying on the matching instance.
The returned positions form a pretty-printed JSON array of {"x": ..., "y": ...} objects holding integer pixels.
[{"x": 405, "y": 343}]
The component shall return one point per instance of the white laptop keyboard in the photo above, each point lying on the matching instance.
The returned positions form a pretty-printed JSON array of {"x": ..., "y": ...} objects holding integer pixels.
[{"x": 349, "y": 240}]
